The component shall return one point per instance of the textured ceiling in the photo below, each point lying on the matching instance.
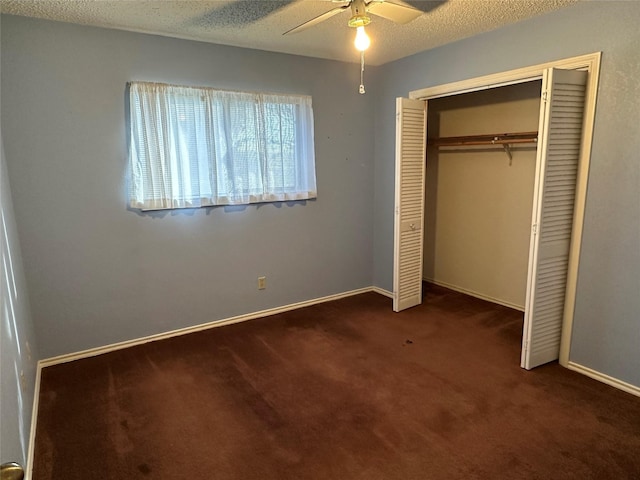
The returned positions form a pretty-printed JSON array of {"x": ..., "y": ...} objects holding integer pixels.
[{"x": 261, "y": 23}]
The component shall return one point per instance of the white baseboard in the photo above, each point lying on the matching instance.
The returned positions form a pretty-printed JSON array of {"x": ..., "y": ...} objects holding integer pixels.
[
  {"x": 28, "y": 468},
  {"x": 601, "y": 377},
  {"x": 382, "y": 291},
  {"x": 92, "y": 352},
  {"x": 475, "y": 294}
]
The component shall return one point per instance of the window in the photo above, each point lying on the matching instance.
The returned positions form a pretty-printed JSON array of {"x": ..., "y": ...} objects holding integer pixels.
[{"x": 194, "y": 147}]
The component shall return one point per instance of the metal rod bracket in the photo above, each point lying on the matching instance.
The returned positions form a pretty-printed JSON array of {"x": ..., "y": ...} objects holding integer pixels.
[{"x": 507, "y": 150}]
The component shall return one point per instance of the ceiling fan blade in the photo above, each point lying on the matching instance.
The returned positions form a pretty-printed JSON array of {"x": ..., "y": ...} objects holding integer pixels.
[
  {"x": 316, "y": 20},
  {"x": 393, "y": 11}
]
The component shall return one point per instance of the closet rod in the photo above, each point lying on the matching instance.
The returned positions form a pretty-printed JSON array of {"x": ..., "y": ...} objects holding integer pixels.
[{"x": 488, "y": 139}]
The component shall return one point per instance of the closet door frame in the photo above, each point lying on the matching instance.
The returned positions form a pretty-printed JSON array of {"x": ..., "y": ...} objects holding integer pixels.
[{"x": 591, "y": 64}]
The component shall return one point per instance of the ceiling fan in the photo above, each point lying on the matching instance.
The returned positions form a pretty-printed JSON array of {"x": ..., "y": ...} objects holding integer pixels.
[
  {"x": 360, "y": 10},
  {"x": 359, "y": 13}
]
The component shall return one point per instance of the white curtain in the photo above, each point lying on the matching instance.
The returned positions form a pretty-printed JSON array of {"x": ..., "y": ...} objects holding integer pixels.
[{"x": 193, "y": 147}]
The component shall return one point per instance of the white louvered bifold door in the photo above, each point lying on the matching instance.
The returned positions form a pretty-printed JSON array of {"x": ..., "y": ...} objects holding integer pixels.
[
  {"x": 411, "y": 145},
  {"x": 560, "y": 137}
]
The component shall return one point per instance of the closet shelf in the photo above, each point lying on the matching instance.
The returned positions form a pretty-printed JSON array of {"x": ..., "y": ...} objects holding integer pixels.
[{"x": 487, "y": 139}]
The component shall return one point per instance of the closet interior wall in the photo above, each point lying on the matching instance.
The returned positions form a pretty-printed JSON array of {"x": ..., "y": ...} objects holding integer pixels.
[{"x": 478, "y": 202}]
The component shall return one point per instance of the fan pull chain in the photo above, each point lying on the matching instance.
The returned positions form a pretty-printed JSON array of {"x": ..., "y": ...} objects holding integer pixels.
[{"x": 361, "y": 73}]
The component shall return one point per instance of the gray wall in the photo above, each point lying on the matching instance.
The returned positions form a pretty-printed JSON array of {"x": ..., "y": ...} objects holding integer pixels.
[
  {"x": 18, "y": 347},
  {"x": 606, "y": 331},
  {"x": 100, "y": 274}
]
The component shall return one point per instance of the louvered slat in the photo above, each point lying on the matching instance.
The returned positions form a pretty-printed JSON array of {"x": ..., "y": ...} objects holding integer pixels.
[
  {"x": 561, "y": 135},
  {"x": 409, "y": 203}
]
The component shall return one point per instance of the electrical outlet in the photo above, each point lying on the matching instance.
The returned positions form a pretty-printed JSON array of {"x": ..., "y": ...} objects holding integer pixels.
[{"x": 262, "y": 283}]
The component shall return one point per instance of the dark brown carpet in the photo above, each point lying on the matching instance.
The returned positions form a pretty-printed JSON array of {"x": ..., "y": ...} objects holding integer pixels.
[{"x": 342, "y": 390}]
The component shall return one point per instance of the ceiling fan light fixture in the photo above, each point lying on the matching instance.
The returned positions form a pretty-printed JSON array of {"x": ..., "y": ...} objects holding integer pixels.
[
  {"x": 359, "y": 21},
  {"x": 362, "y": 40}
]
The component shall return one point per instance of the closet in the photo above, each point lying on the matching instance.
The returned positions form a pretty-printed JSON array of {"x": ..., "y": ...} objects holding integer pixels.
[
  {"x": 503, "y": 187},
  {"x": 479, "y": 193}
]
